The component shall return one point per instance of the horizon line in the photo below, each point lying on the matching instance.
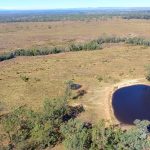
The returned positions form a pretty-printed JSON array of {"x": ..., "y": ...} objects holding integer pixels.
[{"x": 16, "y": 9}]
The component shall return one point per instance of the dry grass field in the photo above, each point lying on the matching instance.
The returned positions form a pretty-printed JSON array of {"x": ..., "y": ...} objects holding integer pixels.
[
  {"x": 45, "y": 34},
  {"x": 30, "y": 80},
  {"x": 97, "y": 71}
]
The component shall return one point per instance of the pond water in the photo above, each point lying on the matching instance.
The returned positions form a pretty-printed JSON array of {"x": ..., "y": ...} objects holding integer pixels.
[{"x": 131, "y": 103}]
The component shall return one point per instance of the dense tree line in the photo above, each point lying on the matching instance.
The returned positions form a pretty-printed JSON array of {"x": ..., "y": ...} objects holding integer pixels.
[
  {"x": 72, "y": 14},
  {"x": 91, "y": 45},
  {"x": 137, "y": 15},
  {"x": 64, "y": 15},
  {"x": 50, "y": 17}
]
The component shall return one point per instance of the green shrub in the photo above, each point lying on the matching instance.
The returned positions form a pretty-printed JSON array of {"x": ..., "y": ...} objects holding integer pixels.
[
  {"x": 138, "y": 41},
  {"x": 137, "y": 137},
  {"x": 55, "y": 109},
  {"x": 148, "y": 76},
  {"x": 76, "y": 135},
  {"x": 100, "y": 78},
  {"x": 36, "y": 52},
  {"x": 98, "y": 136},
  {"x": 133, "y": 40},
  {"x": 7, "y": 56},
  {"x": 112, "y": 137},
  {"x": 112, "y": 39},
  {"x": 92, "y": 45},
  {"x": 105, "y": 138},
  {"x": 76, "y": 47},
  {"x": 24, "y": 78},
  {"x": 56, "y": 50},
  {"x": 45, "y": 134},
  {"x": 18, "y": 124}
]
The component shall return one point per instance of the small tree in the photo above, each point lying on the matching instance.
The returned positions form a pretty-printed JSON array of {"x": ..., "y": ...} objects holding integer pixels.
[
  {"x": 137, "y": 137},
  {"x": 76, "y": 135},
  {"x": 105, "y": 138}
]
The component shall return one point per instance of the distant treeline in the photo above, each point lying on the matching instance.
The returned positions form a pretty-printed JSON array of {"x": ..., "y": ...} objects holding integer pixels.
[
  {"x": 138, "y": 15},
  {"x": 51, "y": 17},
  {"x": 75, "y": 14},
  {"x": 55, "y": 15},
  {"x": 88, "y": 46}
]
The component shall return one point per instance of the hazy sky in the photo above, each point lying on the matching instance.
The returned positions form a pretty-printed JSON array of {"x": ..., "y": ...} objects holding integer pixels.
[{"x": 52, "y": 4}]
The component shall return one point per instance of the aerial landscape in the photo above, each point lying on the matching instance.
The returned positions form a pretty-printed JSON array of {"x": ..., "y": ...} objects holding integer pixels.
[{"x": 74, "y": 75}]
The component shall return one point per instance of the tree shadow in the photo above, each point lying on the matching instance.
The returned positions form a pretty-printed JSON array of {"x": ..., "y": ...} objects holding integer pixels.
[{"x": 73, "y": 112}]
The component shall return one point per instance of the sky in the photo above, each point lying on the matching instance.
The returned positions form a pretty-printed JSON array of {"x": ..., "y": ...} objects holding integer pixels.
[{"x": 54, "y": 4}]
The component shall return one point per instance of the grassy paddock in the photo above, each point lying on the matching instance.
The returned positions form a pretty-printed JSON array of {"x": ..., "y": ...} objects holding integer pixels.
[
  {"x": 29, "y": 80},
  {"x": 27, "y": 35}
]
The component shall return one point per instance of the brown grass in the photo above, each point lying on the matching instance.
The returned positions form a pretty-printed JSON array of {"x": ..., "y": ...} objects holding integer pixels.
[{"x": 45, "y": 34}]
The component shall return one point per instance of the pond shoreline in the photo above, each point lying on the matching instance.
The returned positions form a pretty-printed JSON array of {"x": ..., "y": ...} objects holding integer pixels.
[{"x": 114, "y": 88}]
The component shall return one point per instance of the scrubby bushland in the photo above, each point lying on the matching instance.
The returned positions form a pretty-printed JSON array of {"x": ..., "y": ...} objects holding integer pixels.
[
  {"x": 26, "y": 129},
  {"x": 77, "y": 136},
  {"x": 113, "y": 137}
]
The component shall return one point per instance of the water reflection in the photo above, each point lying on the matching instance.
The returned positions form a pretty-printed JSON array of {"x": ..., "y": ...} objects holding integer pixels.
[{"x": 131, "y": 103}]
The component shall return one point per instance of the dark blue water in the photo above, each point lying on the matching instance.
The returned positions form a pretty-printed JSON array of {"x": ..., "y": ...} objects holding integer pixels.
[{"x": 131, "y": 103}]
